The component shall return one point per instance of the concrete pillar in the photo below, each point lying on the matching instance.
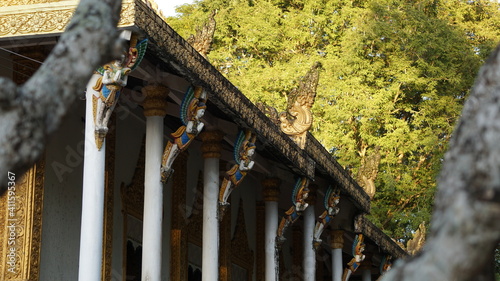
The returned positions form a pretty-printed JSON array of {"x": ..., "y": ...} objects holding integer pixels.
[
  {"x": 367, "y": 275},
  {"x": 337, "y": 243},
  {"x": 90, "y": 262},
  {"x": 271, "y": 198},
  {"x": 155, "y": 105},
  {"x": 211, "y": 149},
  {"x": 309, "y": 262},
  {"x": 366, "y": 268}
]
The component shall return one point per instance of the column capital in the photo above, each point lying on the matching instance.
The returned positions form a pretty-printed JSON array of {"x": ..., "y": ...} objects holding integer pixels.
[
  {"x": 271, "y": 190},
  {"x": 337, "y": 236},
  {"x": 211, "y": 146},
  {"x": 155, "y": 101}
]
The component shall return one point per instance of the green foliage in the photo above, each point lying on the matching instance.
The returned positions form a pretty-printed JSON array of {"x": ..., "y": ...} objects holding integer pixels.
[{"x": 396, "y": 74}]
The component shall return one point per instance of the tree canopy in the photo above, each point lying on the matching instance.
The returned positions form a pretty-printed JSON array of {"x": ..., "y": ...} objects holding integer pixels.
[{"x": 395, "y": 76}]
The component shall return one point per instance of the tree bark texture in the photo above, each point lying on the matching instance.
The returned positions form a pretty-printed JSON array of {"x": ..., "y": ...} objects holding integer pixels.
[
  {"x": 465, "y": 228},
  {"x": 32, "y": 112}
]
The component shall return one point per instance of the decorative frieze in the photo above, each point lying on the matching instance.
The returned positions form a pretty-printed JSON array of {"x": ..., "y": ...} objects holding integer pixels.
[
  {"x": 7, "y": 3},
  {"x": 26, "y": 17},
  {"x": 21, "y": 223}
]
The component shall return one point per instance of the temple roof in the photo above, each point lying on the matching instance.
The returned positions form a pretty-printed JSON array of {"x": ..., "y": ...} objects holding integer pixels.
[{"x": 36, "y": 18}]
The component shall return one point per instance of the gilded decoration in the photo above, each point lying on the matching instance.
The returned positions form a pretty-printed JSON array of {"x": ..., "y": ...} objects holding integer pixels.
[
  {"x": 23, "y": 202},
  {"x": 297, "y": 119},
  {"x": 109, "y": 201},
  {"x": 242, "y": 255},
  {"x": 133, "y": 194},
  {"x": 21, "y": 218},
  {"x": 195, "y": 220},
  {"x": 414, "y": 245},
  {"x": 178, "y": 232},
  {"x": 260, "y": 241},
  {"x": 225, "y": 247},
  {"x": 30, "y": 17},
  {"x": 7, "y": 3},
  {"x": 132, "y": 197}
]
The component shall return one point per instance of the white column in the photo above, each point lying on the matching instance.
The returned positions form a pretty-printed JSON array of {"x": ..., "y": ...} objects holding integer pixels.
[
  {"x": 337, "y": 242},
  {"x": 309, "y": 263},
  {"x": 92, "y": 198},
  {"x": 155, "y": 110},
  {"x": 365, "y": 267},
  {"x": 271, "y": 197},
  {"x": 337, "y": 264},
  {"x": 211, "y": 148},
  {"x": 367, "y": 275}
]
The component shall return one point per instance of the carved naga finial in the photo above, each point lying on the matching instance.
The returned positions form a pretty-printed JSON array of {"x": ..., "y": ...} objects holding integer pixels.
[
  {"x": 244, "y": 150},
  {"x": 299, "y": 196},
  {"x": 332, "y": 199},
  {"x": 203, "y": 39},
  {"x": 414, "y": 245},
  {"x": 297, "y": 120}
]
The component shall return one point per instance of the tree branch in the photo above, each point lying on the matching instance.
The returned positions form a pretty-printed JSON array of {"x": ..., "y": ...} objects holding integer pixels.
[
  {"x": 30, "y": 113},
  {"x": 465, "y": 227}
]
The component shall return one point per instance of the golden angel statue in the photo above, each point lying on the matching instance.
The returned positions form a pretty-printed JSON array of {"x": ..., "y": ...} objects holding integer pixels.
[
  {"x": 107, "y": 89},
  {"x": 358, "y": 246},
  {"x": 299, "y": 196},
  {"x": 244, "y": 150},
  {"x": 193, "y": 107},
  {"x": 332, "y": 199}
]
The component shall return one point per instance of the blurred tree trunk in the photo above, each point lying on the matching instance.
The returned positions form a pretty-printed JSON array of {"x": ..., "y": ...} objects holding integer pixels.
[
  {"x": 30, "y": 113},
  {"x": 465, "y": 229}
]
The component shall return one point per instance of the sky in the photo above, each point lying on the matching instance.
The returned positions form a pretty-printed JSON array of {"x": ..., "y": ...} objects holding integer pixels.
[{"x": 168, "y": 6}]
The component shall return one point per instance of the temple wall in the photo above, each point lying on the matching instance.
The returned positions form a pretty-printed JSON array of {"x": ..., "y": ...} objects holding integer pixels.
[
  {"x": 63, "y": 200},
  {"x": 130, "y": 132}
]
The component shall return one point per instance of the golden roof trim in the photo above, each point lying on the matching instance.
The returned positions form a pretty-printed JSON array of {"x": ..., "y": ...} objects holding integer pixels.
[{"x": 48, "y": 18}]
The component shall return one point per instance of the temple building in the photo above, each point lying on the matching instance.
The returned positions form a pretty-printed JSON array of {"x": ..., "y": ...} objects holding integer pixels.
[{"x": 164, "y": 170}]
